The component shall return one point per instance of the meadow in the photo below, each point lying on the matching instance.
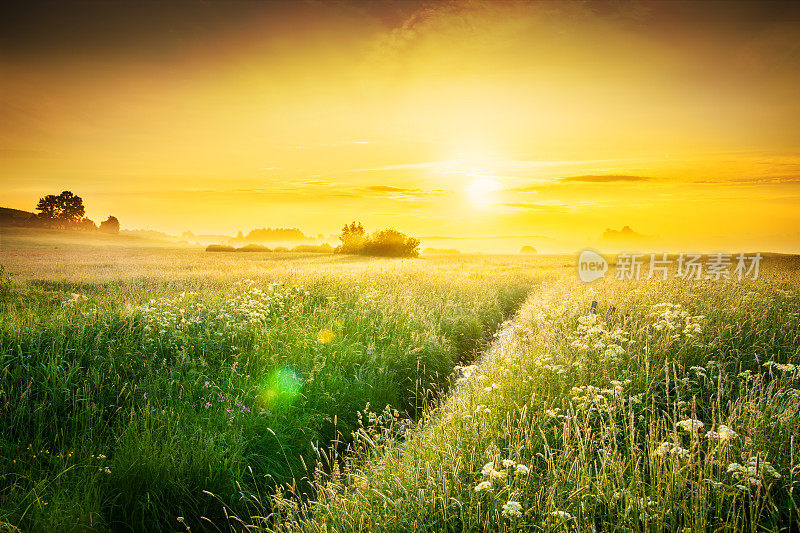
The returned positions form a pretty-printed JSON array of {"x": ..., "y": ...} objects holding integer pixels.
[
  {"x": 138, "y": 382},
  {"x": 170, "y": 389},
  {"x": 675, "y": 407}
]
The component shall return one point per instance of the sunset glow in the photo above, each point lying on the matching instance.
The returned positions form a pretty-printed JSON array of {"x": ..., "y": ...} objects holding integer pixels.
[{"x": 457, "y": 119}]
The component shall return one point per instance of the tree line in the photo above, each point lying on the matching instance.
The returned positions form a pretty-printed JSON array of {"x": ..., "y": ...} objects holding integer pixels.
[
  {"x": 384, "y": 243},
  {"x": 66, "y": 211}
]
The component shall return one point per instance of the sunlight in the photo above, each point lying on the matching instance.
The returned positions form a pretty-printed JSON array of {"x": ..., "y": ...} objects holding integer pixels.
[{"x": 481, "y": 191}]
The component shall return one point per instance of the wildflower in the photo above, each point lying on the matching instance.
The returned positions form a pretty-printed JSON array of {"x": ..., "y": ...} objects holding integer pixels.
[
  {"x": 668, "y": 448},
  {"x": 723, "y": 434},
  {"x": 522, "y": 469},
  {"x": 734, "y": 468},
  {"x": 751, "y": 474},
  {"x": 489, "y": 471},
  {"x": 507, "y": 463},
  {"x": 483, "y": 485},
  {"x": 691, "y": 425},
  {"x": 512, "y": 509},
  {"x": 561, "y": 514}
]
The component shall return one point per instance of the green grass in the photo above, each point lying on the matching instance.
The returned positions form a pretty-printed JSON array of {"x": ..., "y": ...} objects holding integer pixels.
[
  {"x": 136, "y": 383},
  {"x": 169, "y": 389},
  {"x": 592, "y": 415}
]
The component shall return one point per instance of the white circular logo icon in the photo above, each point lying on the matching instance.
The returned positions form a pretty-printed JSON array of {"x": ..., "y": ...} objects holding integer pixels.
[{"x": 591, "y": 266}]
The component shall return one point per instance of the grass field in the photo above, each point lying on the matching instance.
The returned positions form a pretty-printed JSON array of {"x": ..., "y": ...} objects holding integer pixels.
[
  {"x": 135, "y": 379},
  {"x": 169, "y": 389}
]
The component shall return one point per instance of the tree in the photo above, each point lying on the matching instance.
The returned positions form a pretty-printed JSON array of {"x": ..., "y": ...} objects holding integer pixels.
[
  {"x": 110, "y": 225},
  {"x": 87, "y": 224},
  {"x": 64, "y": 210},
  {"x": 352, "y": 238},
  {"x": 48, "y": 207},
  {"x": 385, "y": 243},
  {"x": 391, "y": 243}
]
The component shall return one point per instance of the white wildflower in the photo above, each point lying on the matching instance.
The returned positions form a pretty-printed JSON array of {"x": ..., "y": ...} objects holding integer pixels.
[
  {"x": 483, "y": 485},
  {"x": 512, "y": 509},
  {"x": 691, "y": 425}
]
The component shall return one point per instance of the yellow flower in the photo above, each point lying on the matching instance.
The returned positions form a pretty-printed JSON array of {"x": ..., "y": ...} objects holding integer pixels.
[{"x": 325, "y": 336}]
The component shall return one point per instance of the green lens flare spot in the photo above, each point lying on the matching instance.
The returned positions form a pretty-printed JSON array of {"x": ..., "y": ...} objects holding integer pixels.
[{"x": 280, "y": 389}]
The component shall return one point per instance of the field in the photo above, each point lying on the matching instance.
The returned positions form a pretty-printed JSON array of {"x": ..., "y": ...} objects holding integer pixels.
[{"x": 171, "y": 389}]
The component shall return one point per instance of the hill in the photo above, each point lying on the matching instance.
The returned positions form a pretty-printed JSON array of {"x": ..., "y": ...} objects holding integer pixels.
[{"x": 15, "y": 217}]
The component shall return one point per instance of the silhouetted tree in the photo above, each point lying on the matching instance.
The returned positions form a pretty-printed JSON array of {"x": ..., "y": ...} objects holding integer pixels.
[
  {"x": 277, "y": 234},
  {"x": 352, "y": 238},
  {"x": 391, "y": 243},
  {"x": 87, "y": 224},
  {"x": 48, "y": 207},
  {"x": 386, "y": 243},
  {"x": 64, "y": 210},
  {"x": 110, "y": 225}
]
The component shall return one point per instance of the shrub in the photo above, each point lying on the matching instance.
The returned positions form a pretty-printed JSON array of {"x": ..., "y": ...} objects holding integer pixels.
[
  {"x": 219, "y": 248},
  {"x": 253, "y": 248},
  {"x": 385, "y": 243}
]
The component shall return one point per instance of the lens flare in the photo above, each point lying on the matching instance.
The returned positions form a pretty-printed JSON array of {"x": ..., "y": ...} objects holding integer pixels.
[{"x": 280, "y": 389}]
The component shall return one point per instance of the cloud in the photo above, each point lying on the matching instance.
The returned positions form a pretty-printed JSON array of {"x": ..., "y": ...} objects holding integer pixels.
[
  {"x": 387, "y": 188},
  {"x": 397, "y": 193},
  {"x": 604, "y": 178},
  {"x": 532, "y": 207},
  {"x": 756, "y": 180}
]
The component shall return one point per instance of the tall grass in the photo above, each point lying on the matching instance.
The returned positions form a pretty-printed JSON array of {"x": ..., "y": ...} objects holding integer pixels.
[
  {"x": 127, "y": 400},
  {"x": 677, "y": 411}
]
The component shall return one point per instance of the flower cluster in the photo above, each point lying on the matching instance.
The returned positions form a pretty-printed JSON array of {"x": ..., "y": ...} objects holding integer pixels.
[
  {"x": 676, "y": 320},
  {"x": 669, "y": 448},
  {"x": 787, "y": 368},
  {"x": 690, "y": 425},
  {"x": 248, "y": 306},
  {"x": 492, "y": 474},
  {"x": 592, "y": 335},
  {"x": 752, "y": 473},
  {"x": 512, "y": 509},
  {"x": 722, "y": 434}
]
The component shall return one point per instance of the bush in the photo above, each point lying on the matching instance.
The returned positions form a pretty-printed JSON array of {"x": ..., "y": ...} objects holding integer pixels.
[
  {"x": 219, "y": 248},
  {"x": 384, "y": 243},
  {"x": 391, "y": 243},
  {"x": 253, "y": 248}
]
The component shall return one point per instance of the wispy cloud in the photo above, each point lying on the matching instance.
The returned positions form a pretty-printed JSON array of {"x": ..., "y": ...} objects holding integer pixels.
[
  {"x": 603, "y": 178},
  {"x": 533, "y": 207},
  {"x": 755, "y": 181}
]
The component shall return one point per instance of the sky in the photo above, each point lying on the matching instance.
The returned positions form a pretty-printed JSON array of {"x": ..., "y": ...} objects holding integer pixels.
[{"x": 543, "y": 123}]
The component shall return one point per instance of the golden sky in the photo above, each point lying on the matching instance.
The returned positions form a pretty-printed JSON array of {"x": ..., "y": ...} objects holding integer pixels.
[{"x": 548, "y": 120}]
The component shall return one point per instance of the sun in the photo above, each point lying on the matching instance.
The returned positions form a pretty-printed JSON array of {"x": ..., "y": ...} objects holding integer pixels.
[{"x": 481, "y": 191}]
